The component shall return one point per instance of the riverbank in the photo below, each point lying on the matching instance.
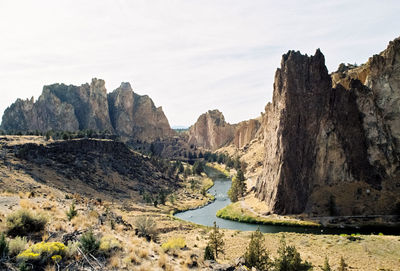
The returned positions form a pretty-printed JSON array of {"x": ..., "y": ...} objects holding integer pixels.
[{"x": 236, "y": 212}]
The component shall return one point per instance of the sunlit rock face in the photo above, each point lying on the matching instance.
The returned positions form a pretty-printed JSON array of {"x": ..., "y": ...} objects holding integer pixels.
[
  {"x": 211, "y": 131},
  {"x": 72, "y": 108}
]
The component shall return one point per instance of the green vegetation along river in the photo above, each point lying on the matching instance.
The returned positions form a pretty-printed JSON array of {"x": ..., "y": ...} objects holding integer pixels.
[{"x": 206, "y": 215}]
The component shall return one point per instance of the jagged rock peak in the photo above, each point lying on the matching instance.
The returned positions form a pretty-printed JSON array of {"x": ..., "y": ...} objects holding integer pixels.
[
  {"x": 71, "y": 108},
  {"x": 211, "y": 131}
]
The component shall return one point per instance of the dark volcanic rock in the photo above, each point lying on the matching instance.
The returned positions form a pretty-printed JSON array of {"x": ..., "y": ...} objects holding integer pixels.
[
  {"x": 333, "y": 149},
  {"x": 103, "y": 165}
]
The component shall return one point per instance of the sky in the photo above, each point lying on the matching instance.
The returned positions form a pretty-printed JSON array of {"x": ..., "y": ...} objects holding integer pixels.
[{"x": 189, "y": 56}]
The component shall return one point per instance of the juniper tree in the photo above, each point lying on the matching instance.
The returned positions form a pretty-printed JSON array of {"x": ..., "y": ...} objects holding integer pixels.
[
  {"x": 256, "y": 254},
  {"x": 216, "y": 241}
]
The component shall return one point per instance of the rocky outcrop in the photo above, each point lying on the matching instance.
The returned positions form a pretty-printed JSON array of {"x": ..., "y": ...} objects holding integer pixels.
[
  {"x": 71, "y": 108},
  {"x": 136, "y": 116},
  {"x": 245, "y": 132},
  {"x": 211, "y": 131},
  {"x": 333, "y": 150}
]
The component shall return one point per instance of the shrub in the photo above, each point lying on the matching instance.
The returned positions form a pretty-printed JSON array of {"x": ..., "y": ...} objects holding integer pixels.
[
  {"x": 72, "y": 249},
  {"x": 289, "y": 259},
  {"x": 3, "y": 246},
  {"x": 108, "y": 244},
  {"x": 174, "y": 243},
  {"x": 256, "y": 254},
  {"x": 23, "y": 222},
  {"x": 17, "y": 245},
  {"x": 42, "y": 253},
  {"x": 208, "y": 253},
  {"x": 89, "y": 243},
  {"x": 72, "y": 212},
  {"x": 146, "y": 227}
]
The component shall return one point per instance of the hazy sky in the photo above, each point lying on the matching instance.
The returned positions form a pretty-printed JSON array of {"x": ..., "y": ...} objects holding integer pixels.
[{"x": 189, "y": 56}]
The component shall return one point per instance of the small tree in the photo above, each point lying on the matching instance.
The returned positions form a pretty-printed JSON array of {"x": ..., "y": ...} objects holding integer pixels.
[
  {"x": 208, "y": 253},
  {"x": 216, "y": 241},
  {"x": 342, "y": 265},
  {"x": 72, "y": 212},
  {"x": 238, "y": 187},
  {"x": 326, "y": 266},
  {"x": 3, "y": 246},
  {"x": 89, "y": 243},
  {"x": 289, "y": 259},
  {"x": 162, "y": 197},
  {"x": 172, "y": 198},
  {"x": 256, "y": 255},
  {"x": 198, "y": 168}
]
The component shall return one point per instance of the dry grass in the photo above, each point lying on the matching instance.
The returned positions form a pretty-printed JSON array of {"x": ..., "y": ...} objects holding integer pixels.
[
  {"x": 162, "y": 261},
  {"x": 142, "y": 253},
  {"x": 26, "y": 204},
  {"x": 82, "y": 221},
  {"x": 115, "y": 261}
]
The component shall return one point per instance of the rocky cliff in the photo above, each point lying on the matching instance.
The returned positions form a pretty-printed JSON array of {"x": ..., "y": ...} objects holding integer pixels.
[
  {"x": 133, "y": 115},
  {"x": 71, "y": 108},
  {"x": 333, "y": 149},
  {"x": 211, "y": 131},
  {"x": 245, "y": 132}
]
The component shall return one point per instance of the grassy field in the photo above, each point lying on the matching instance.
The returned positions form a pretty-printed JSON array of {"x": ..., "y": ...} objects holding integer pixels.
[{"x": 236, "y": 212}]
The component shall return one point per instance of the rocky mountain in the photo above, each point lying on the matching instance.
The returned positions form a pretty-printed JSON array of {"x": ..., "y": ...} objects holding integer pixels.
[
  {"x": 211, "y": 131},
  {"x": 332, "y": 142},
  {"x": 71, "y": 108}
]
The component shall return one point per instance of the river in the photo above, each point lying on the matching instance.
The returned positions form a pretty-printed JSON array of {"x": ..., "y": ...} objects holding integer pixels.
[{"x": 207, "y": 215}]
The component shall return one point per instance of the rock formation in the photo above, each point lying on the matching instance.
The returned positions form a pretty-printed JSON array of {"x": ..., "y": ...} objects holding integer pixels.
[
  {"x": 71, "y": 108},
  {"x": 136, "y": 116},
  {"x": 333, "y": 150},
  {"x": 211, "y": 131},
  {"x": 245, "y": 132}
]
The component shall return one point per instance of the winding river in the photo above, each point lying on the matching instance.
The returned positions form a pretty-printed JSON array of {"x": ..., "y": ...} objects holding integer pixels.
[{"x": 207, "y": 215}]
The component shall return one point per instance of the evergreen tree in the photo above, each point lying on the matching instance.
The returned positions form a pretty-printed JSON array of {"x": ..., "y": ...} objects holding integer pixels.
[
  {"x": 198, "y": 168},
  {"x": 216, "y": 241},
  {"x": 180, "y": 167},
  {"x": 342, "y": 265},
  {"x": 238, "y": 187},
  {"x": 326, "y": 266},
  {"x": 208, "y": 253},
  {"x": 3, "y": 246},
  {"x": 289, "y": 259},
  {"x": 236, "y": 163},
  {"x": 256, "y": 255}
]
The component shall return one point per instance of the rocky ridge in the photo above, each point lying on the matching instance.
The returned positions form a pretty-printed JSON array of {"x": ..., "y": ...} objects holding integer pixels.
[
  {"x": 72, "y": 108},
  {"x": 103, "y": 168},
  {"x": 332, "y": 141}
]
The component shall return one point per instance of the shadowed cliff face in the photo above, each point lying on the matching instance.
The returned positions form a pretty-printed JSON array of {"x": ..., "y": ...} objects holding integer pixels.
[
  {"x": 333, "y": 150},
  {"x": 71, "y": 108}
]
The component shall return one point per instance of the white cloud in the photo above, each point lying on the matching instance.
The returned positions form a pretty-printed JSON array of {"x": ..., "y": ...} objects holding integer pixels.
[{"x": 189, "y": 56}]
